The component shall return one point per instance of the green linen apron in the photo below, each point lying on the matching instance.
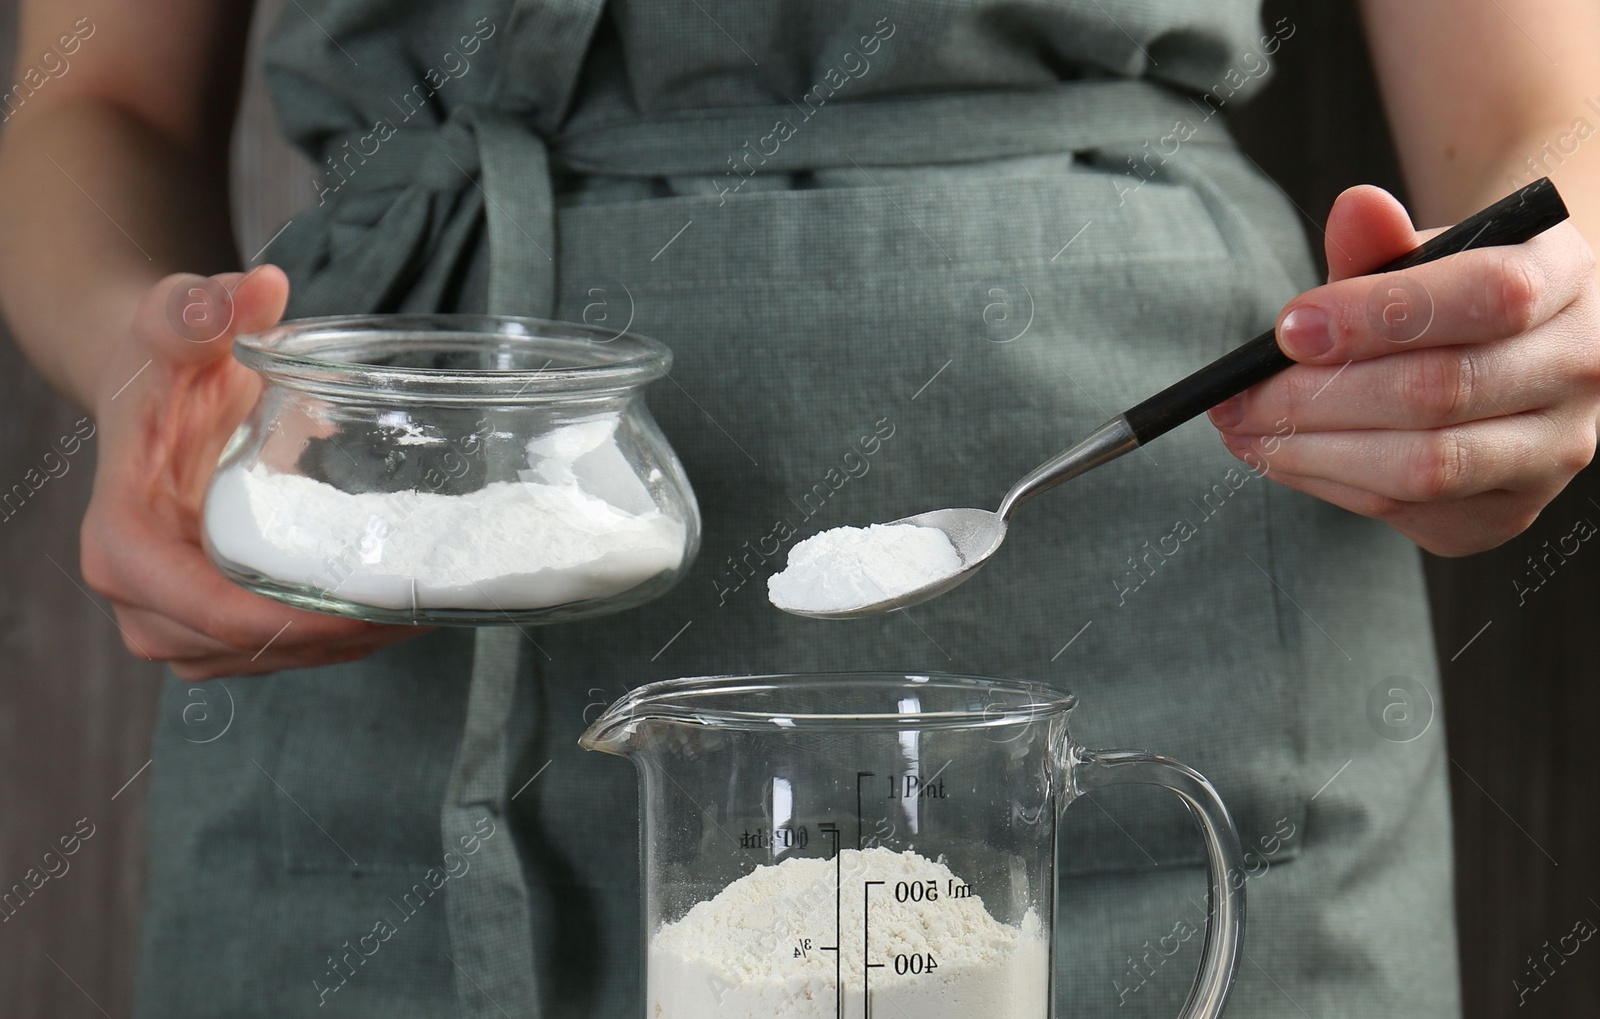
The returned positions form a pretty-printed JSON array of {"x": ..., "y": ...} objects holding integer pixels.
[{"x": 902, "y": 252}]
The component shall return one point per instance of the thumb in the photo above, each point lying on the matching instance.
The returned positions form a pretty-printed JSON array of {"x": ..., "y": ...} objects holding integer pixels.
[
  {"x": 191, "y": 319},
  {"x": 1368, "y": 227}
]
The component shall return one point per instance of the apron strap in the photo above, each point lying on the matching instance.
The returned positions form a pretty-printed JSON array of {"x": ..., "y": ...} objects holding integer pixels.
[
  {"x": 491, "y": 926},
  {"x": 491, "y": 932},
  {"x": 920, "y": 130}
]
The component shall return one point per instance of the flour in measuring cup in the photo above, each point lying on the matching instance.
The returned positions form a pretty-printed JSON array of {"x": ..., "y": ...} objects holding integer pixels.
[
  {"x": 576, "y": 526},
  {"x": 848, "y": 567},
  {"x": 752, "y": 951}
]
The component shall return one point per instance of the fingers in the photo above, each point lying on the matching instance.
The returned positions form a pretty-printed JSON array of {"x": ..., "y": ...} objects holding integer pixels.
[
  {"x": 199, "y": 669},
  {"x": 154, "y": 637},
  {"x": 190, "y": 319},
  {"x": 195, "y": 656},
  {"x": 1367, "y": 227},
  {"x": 1533, "y": 453},
  {"x": 1420, "y": 389},
  {"x": 140, "y": 537},
  {"x": 143, "y": 567},
  {"x": 1476, "y": 296},
  {"x": 1455, "y": 528}
]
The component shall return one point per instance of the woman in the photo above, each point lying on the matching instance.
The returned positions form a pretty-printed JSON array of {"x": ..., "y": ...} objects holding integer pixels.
[{"x": 902, "y": 254}]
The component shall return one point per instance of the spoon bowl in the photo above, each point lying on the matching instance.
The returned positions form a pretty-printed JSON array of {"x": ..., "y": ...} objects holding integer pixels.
[{"x": 976, "y": 535}]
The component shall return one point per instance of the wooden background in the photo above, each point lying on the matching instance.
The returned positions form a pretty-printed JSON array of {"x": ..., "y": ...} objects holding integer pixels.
[{"x": 76, "y": 711}]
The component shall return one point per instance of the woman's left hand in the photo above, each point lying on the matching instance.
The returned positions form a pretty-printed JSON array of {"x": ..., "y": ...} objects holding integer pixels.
[{"x": 1452, "y": 401}]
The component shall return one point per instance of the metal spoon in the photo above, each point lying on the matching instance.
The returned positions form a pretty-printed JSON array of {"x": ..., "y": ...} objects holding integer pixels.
[{"x": 977, "y": 534}]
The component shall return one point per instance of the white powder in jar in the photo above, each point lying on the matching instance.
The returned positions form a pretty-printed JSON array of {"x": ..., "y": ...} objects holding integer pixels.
[
  {"x": 848, "y": 567},
  {"x": 752, "y": 951},
  {"x": 548, "y": 539}
]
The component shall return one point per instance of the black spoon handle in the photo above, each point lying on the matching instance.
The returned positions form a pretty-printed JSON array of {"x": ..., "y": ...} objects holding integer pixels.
[{"x": 1516, "y": 218}]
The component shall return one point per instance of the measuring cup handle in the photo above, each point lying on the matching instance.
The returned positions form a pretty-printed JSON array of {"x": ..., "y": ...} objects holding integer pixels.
[{"x": 1219, "y": 961}]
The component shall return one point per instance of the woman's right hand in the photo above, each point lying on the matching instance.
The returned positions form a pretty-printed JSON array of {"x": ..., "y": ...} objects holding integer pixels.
[{"x": 168, "y": 397}]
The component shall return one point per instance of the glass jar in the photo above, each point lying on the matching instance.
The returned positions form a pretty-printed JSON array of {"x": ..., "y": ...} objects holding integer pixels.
[{"x": 451, "y": 469}]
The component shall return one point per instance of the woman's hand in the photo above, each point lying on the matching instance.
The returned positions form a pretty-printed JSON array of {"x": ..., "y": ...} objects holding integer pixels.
[
  {"x": 1452, "y": 401},
  {"x": 169, "y": 396}
]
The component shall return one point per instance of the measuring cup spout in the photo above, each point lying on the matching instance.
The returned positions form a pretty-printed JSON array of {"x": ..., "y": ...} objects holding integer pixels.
[{"x": 618, "y": 731}]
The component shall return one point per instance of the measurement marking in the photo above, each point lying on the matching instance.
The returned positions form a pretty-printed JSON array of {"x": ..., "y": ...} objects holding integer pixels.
[
  {"x": 1328, "y": 383},
  {"x": 97, "y": 205},
  {"x": 838, "y": 919},
  {"x": 268, "y": 644},
  {"x": 302, "y": 810},
  {"x": 1469, "y": 643},
  {"x": 859, "y": 776},
  {"x": 936, "y": 374},
  {"x": 903, "y": 212},
  {"x": 669, "y": 643},
  {"x": 1329, "y": 782},
  {"x": 1296, "y": 604},
  {"x": 129, "y": 782},
  {"x": 81, "y": 991},
  {"x": 1074, "y": 637},
  {"x": 479, "y": 986},
  {"x": 936, "y": 774},
  {"x": 1075, "y": 236},
  {"x": 1506, "y": 812},
  {"x": 866, "y": 945},
  {"x": 97, "y": 605},
  {"x": 267, "y": 245},
  {"x": 135, "y": 375},
  {"x": 530, "y": 781},
  {"x": 675, "y": 236}
]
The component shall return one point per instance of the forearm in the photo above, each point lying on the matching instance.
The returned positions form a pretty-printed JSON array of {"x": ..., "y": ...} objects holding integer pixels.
[
  {"x": 1441, "y": 197},
  {"x": 1577, "y": 175},
  {"x": 95, "y": 206},
  {"x": 1485, "y": 96}
]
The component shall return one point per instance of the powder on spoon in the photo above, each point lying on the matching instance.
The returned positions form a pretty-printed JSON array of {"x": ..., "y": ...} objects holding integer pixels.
[{"x": 848, "y": 567}]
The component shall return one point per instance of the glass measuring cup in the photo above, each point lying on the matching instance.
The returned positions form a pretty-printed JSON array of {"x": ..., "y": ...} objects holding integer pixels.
[{"x": 873, "y": 844}]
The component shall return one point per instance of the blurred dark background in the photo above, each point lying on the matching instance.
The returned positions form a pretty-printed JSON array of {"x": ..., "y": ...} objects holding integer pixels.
[{"x": 76, "y": 711}]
